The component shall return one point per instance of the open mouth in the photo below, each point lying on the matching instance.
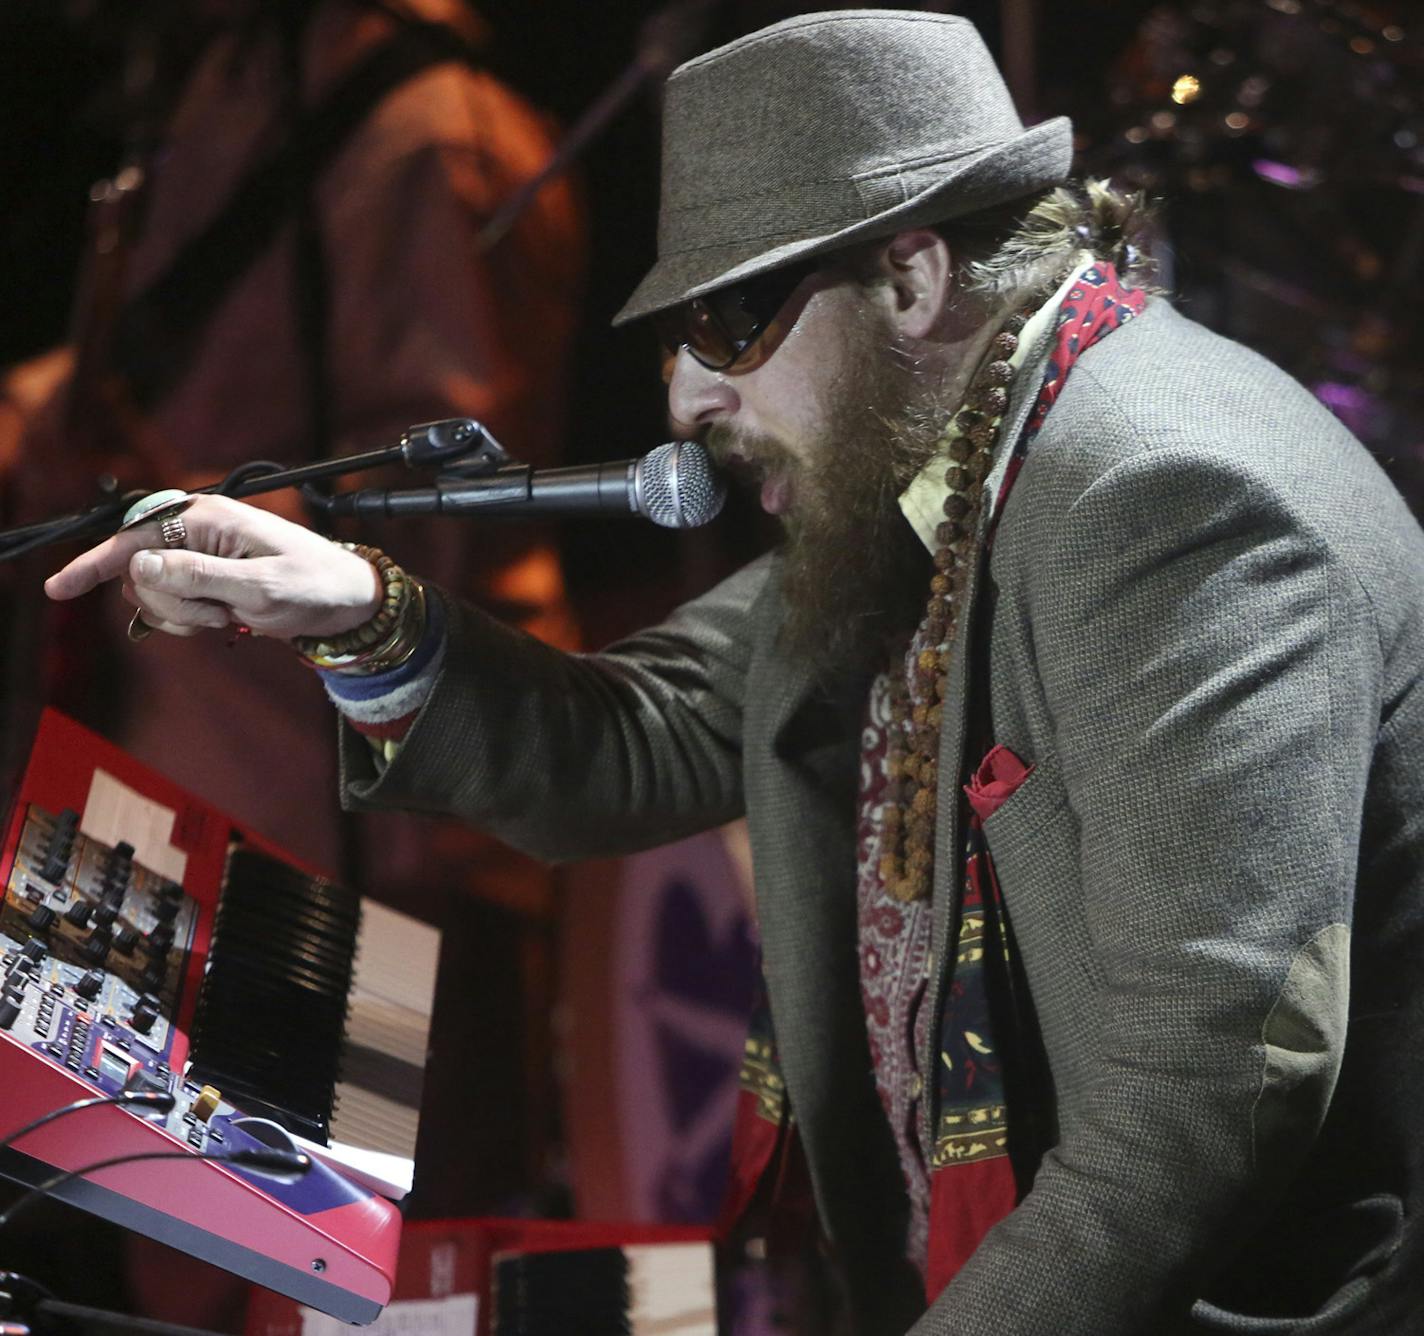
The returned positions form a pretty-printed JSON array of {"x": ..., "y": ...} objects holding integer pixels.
[
  {"x": 776, "y": 494},
  {"x": 772, "y": 483}
]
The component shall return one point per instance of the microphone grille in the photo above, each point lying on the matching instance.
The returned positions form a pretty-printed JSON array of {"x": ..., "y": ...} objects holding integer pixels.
[{"x": 678, "y": 486}]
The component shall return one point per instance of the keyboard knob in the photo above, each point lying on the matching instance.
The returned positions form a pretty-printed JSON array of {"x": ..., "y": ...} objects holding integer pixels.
[
  {"x": 90, "y": 984},
  {"x": 80, "y": 913},
  {"x": 144, "y": 1014},
  {"x": 206, "y": 1104},
  {"x": 9, "y": 1012},
  {"x": 41, "y": 917}
]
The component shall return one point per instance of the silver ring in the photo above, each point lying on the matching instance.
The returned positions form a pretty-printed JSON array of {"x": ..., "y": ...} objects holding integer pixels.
[
  {"x": 174, "y": 531},
  {"x": 155, "y": 507}
]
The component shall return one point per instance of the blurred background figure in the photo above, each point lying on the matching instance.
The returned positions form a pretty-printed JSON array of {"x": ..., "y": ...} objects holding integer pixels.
[{"x": 287, "y": 265}]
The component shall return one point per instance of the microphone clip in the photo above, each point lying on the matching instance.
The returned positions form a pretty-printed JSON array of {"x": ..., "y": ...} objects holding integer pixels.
[{"x": 458, "y": 447}]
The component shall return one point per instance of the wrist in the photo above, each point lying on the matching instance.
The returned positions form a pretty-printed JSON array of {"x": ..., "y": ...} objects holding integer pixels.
[
  {"x": 392, "y": 627},
  {"x": 367, "y": 609}
]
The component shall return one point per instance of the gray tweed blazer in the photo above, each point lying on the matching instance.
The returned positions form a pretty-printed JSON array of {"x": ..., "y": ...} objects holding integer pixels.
[{"x": 1203, "y": 624}]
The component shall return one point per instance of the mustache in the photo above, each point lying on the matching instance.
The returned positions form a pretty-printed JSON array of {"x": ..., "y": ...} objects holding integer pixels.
[{"x": 746, "y": 453}]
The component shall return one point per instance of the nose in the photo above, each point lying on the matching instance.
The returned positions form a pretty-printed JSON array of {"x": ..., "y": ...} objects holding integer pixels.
[{"x": 698, "y": 397}]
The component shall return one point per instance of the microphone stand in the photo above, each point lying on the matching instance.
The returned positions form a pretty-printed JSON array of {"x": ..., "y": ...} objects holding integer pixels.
[
  {"x": 458, "y": 447},
  {"x": 28, "y": 1309}
]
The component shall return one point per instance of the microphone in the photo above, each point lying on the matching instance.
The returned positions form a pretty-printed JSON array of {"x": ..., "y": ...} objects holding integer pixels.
[
  {"x": 286, "y": 1166},
  {"x": 677, "y": 486},
  {"x": 147, "y": 1101}
]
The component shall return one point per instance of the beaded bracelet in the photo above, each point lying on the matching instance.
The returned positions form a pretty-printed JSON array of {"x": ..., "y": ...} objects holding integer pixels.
[
  {"x": 388, "y": 638},
  {"x": 404, "y": 639}
]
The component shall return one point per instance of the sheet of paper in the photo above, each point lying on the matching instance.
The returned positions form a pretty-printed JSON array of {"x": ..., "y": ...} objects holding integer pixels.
[
  {"x": 452, "y": 1316},
  {"x": 114, "y": 812},
  {"x": 672, "y": 1290}
]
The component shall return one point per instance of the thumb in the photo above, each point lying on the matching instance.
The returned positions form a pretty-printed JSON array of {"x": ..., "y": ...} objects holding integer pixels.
[
  {"x": 235, "y": 581},
  {"x": 146, "y": 567}
]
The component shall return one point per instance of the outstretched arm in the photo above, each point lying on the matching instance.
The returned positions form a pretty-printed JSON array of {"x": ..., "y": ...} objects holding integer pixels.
[
  {"x": 561, "y": 755},
  {"x": 576, "y": 755}
]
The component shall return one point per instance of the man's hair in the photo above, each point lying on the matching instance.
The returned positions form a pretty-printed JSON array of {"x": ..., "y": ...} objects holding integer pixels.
[
  {"x": 1030, "y": 246},
  {"x": 1025, "y": 248}
]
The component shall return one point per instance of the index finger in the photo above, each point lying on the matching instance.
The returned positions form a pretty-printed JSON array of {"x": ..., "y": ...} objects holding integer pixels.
[{"x": 104, "y": 562}]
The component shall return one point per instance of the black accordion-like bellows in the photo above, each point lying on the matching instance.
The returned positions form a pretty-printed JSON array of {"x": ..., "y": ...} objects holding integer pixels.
[
  {"x": 562, "y": 1293},
  {"x": 271, "y": 1011}
]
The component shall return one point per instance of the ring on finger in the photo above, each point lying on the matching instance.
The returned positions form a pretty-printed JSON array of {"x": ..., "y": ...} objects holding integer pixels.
[
  {"x": 174, "y": 531},
  {"x": 156, "y": 507},
  {"x": 139, "y": 629}
]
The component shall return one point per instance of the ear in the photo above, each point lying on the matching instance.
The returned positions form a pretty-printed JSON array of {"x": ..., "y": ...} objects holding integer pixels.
[{"x": 920, "y": 272}]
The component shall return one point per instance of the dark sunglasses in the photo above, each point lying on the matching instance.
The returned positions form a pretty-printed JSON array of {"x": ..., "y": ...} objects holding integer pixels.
[{"x": 718, "y": 327}]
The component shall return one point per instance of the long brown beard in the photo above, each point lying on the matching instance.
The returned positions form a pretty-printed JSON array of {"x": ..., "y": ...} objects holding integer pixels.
[{"x": 854, "y": 573}]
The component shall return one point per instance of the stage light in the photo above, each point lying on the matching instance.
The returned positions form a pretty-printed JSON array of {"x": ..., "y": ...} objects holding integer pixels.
[{"x": 1186, "y": 89}]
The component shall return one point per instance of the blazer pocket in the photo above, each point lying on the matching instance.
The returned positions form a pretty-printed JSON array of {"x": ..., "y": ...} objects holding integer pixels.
[
  {"x": 1036, "y": 801},
  {"x": 1374, "y": 1229},
  {"x": 995, "y": 780}
]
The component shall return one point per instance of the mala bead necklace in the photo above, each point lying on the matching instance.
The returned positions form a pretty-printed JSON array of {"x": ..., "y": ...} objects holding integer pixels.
[{"x": 917, "y": 704}]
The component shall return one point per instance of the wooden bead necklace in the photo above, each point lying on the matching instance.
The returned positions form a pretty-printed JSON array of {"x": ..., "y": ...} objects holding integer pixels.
[{"x": 917, "y": 705}]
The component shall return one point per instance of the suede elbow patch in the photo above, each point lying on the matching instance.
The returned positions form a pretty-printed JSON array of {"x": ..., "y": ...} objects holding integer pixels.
[{"x": 1304, "y": 1039}]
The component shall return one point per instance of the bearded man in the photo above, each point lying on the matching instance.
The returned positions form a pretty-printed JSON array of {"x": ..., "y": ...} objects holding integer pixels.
[{"x": 1077, "y": 725}]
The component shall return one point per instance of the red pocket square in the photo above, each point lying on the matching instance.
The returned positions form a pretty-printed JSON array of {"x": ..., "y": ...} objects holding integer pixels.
[{"x": 995, "y": 781}]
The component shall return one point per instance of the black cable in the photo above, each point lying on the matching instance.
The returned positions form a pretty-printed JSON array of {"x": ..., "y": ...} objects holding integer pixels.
[
  {"x": 254, "y": 468},
  {"x": 159, "y": 1101},
  {"x": 280, "y": 1164},
  {"x": 56, "y": 532},
  {"x": 17, "y": 1292},
  {"x": 34, "y": 1310}
]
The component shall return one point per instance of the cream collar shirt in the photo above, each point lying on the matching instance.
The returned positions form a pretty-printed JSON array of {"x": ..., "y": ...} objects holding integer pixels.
[{"x": 922, "y": 502}]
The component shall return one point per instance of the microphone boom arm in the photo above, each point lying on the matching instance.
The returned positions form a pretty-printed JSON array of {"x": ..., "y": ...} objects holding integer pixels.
[{"x": 452, "y": 441}]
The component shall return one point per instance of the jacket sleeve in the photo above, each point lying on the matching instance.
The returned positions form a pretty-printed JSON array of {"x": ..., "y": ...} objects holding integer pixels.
[
  {"x": 1213, "y": 675},
  {"x": 579, "y": 755}
]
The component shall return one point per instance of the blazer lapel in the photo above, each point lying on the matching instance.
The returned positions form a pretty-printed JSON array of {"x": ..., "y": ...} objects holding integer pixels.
[
  {"x": 802, "y": 766},
  {"x": 801, "y": 818},
  {"x": 954, "y": 730}
]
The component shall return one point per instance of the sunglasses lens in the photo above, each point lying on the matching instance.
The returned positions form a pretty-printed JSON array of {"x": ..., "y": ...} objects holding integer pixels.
[
  {"x": 718, "y": 327},
  {"x": 712, "y": 341},
  {"x": 735, "y": 312},
  {"x": 695, "y": 326}
]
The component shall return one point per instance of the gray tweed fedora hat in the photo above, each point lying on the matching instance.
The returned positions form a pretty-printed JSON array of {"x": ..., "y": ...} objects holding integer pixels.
[{"x": 830, "y": 129}]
